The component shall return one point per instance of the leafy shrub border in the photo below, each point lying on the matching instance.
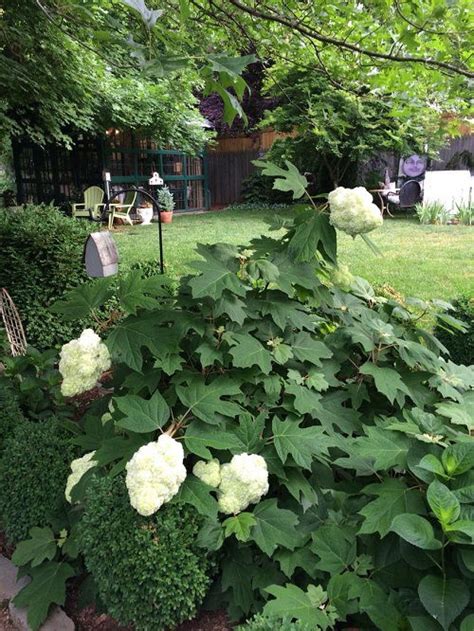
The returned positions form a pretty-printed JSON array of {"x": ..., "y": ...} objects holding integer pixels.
[{"x": 364, "y": 426}]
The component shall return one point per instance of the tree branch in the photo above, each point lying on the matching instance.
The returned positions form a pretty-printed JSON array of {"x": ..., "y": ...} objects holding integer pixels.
[{"x": 333, "y": 41}]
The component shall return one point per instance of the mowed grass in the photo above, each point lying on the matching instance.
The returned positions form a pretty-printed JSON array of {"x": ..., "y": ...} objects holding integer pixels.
[{"x": 423, "y": 261}]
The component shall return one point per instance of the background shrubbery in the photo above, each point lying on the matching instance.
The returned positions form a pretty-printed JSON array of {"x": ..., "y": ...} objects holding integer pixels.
[
  {"x": 149, "y": 571},
  {"x": 460, "y": 345},
  {"x": 40, "y": 258}
]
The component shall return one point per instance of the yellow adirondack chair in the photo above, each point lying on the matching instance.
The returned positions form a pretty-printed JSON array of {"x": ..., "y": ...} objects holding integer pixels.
[
  {"x": 122, "y": 211},
  {"x": 91, "y": 206}
]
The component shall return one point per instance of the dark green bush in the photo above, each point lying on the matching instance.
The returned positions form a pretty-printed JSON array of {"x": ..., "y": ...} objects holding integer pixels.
[
  {"x": 148, "y": 571},
  {"x": 10, "y": 413},
  {"x": 40, "y": 258},
  {"x": 33, "y": 471},
  {"x": 258, "y": 188},
  {"x": 460, "y": 345}
]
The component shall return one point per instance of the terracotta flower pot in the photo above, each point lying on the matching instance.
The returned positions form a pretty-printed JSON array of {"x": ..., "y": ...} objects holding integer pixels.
[{"x": 166, "y": 216}]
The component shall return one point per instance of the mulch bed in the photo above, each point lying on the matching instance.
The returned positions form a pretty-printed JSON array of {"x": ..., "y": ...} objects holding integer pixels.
[
  {"x": 6, "y": 549},
  {"x": 5, "y": 620}
]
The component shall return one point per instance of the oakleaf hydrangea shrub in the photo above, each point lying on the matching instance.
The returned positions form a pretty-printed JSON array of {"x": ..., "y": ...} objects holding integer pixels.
[
  {"x": 341, "y": 431},
  {"x": 34, "y": 467},
  {"x": 149, "y": 571}
]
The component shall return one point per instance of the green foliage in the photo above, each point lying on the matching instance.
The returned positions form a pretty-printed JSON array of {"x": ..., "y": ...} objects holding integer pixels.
[
  {"x": 364, "y": 426},
  {"x": 34, "y": 381},
  {"x": 165, "y": 199},
  {"x": 33, "y": 471},
  {"x": 47, "y": 587},
  {"x": 264, "y": 623},
  {"x": 10, "y": 412},
  {"x": 465, "y": 213},
  {"x": 257, "y": 189},
  {"x": 148, "y": 571},
  {"x": 333, "y": 130},
  {"x": 432, "y": 213},
  {"x": 41, "y": 258},
  {"x": 459, "y": 343}
]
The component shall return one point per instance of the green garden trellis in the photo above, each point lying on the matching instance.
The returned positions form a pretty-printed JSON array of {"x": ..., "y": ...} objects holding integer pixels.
[
  {"x": 186, "y": 176},
  {"x": 59, "y": 175}
]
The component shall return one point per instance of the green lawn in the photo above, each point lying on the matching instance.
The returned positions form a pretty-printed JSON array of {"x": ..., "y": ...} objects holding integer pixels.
[{"x": 424, "y": 261}]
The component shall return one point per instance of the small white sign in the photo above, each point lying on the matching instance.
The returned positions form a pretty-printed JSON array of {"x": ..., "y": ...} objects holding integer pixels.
[{"x": 155, "y": 179}]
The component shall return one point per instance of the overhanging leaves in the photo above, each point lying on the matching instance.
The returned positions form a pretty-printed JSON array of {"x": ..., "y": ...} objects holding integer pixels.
[
  {"x": 274, "y": 526},
  {"x": 205, "y": 400},
  {"x": 47, "y": 587},
  {"x": 143, "y": 415}
]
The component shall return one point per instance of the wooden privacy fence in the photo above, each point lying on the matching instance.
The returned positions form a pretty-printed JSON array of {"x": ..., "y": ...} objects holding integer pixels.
[{"x": 226, "y": 172}]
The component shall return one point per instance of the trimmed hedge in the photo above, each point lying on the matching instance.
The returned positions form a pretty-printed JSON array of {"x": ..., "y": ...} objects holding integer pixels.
[
  {"x": 10, "y": 413},
  {"x": 149, "y": 571},
  {"x": 33, "y": 471},
  {"x": 460, "y": 345},
  {"x": 41, "y": 254}
]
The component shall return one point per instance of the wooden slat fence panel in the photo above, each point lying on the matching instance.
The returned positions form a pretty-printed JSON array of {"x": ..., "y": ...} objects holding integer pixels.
[
  {"x": 456, "y": 145},
  {"x": 226, "y": 172}
]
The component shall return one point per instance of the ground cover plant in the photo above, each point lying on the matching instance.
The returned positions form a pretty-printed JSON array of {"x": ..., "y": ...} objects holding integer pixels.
[
  {"x": 418, "y": 260},
  {"x": 325, "y": 440}
]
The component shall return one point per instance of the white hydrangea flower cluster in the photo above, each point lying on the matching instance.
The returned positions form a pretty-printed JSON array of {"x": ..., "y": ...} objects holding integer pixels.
[
  {"x": 242, "y": 481},
  {"x": 352, "y": 210},
  {"x": 78, "y": 468},
  {"x": 208, "y": 472},
  {"x": 82, "y": 361},
  {"x": 154, "y": 474}
]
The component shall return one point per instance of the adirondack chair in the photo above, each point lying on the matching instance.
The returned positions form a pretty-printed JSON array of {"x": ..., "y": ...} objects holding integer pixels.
[
  {"x": 122, "y": 211},
  {"x": 92, "y": 204}
]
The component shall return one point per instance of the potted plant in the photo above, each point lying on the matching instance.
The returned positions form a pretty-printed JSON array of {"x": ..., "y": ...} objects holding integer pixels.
[{"x": 166, "y": 204}]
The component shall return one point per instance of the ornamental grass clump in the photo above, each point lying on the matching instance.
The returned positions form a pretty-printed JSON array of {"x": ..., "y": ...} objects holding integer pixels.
[{"x": 149, "y": 572}]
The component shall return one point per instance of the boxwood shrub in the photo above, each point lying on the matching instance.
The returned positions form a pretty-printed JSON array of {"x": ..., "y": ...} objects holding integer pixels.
[
  {"x": 10, "y": 413},
  {"x": 34, "y": 467},
  {"x": 149, "y": 571},
  {"x": 40, "y": 258}
]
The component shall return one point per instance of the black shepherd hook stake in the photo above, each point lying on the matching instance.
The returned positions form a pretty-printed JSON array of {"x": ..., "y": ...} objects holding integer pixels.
[{"x": 134, "y": 189}]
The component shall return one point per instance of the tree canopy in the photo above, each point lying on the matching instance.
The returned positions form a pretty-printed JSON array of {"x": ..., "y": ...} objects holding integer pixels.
[{"x": 63, "y": 63}]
